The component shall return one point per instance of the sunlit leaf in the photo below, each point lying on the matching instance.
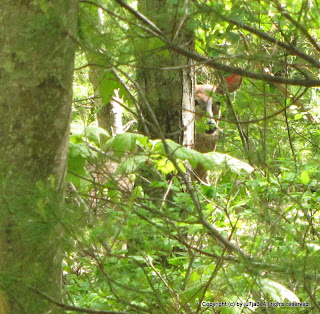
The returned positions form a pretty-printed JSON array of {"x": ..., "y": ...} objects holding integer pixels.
[
  {"x": 305, "y": 177},
  {"x": 108, "y": 85},
  {"x": 277, "y": 291}
]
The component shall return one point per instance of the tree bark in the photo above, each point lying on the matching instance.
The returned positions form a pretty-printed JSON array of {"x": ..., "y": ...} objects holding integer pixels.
[
  {"x": 167, "y": 90},
  {"x": 37, "y": 46}
]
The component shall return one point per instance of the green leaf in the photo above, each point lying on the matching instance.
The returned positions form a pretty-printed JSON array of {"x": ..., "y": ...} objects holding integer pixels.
[
  {"x": 164, "y": 165},
  {"x": 93, "y": 134},
  {"x": 176, "y": 261},
  {"x": 159, "y": 184},
  {"x": 123, "y": 143},
  {"x": 131, "y": 164},
  {"x": 210, "y": 161},
  {"x": 108, "y": 85},
  {"x": 298, "y": 116},
  {"x": 193, "y": 24},
  {"x": 305, "y": 177},
  {"x": 77, "y": 159},
  {"x": 232, "y": 163}
]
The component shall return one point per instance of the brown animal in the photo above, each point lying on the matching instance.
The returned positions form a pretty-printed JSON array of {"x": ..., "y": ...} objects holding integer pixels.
[
  {"x": 203, "y": 98},
  {"x": 206, "y": 142}
]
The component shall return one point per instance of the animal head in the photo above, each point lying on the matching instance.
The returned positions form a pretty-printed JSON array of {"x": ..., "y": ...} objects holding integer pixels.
[{"x": 229, "y": 85}]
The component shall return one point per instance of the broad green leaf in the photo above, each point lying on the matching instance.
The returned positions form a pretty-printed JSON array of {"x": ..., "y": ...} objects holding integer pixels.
[
  {"x": 123, "y": 143},
  {"x": 234, "y": 164},
  {"x": 80, "y": 133},
  {"x": 193, "y": 24},
  {"x": 159, "y": 184},
  {"x": 164, "y": 165},
  {"x": 93, "y": 134},
  {"x": 131, "y": 164},
  {"x": 176, "y": 260},
  {"x": 305, "y": 177},
  {"x": 210, "y": 161},
  {"x": 108, "y": 85},
  {"x": 77, "y": 159},
  {"x": 78, "y": 150}
]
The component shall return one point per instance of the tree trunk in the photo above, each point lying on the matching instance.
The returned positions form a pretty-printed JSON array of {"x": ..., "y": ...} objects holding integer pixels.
[
  {"x": 103, "y": 111},
  {"x": 109, "y": 115},
  {"x": 167, "y": 90},
  {"x": 37, "y": 53}
]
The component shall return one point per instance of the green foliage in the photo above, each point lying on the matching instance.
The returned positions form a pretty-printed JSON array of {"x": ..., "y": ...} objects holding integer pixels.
[
  {"x": 79, "y": 153},
  {"x": 144, "y": 239},
  {"x": 108, "y": 84},
  {"x": 125, "y": 143},
  {"x": 145, "y": 230}
]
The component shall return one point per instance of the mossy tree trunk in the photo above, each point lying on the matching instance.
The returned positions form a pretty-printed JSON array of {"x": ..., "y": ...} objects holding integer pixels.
[
  {"x": 167, "y": 91},
  {"x": 37, "y": 43}
]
